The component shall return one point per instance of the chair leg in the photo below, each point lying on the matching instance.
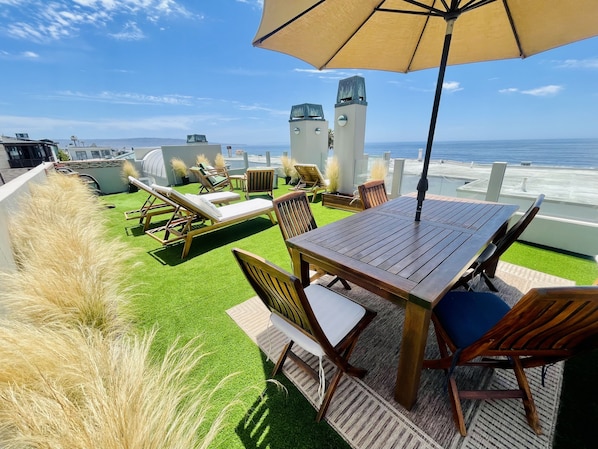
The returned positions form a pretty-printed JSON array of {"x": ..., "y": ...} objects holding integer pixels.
[
  {"x": 488, "y": 281},
  {"x": 282, "y": 358},
  {"x": 456, "y": 406},
  {"x": 335, "y": 280},
  {"x": 528, "y": 402},
  {"x": 328, "y": 396}
]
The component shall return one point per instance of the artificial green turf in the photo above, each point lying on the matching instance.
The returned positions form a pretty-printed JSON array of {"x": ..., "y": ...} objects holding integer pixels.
[{"x": 186, "y": 298}]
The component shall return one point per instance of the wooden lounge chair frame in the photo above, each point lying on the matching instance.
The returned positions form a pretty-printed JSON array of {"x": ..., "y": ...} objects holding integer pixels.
[
  {"x": 547, "y": 325},
  {"x": 157, "y": 203},
  {"x": 372, "y": 193},
  {"x": 154, "y": 204},
  {"x": 311, "y": 179},
  {"x": 295, "y": 217},
  {"x": 192, "y": 218},
  {"x": 300, "y": 314}
]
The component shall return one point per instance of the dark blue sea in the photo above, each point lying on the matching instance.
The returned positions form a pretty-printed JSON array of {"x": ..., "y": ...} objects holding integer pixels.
[{"x": 581, "y": 153}]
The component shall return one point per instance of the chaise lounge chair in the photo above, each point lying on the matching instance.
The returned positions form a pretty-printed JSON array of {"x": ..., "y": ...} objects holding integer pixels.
[
  {"x": 195, "y": 215},
  {"x": 157, "y": 203},
  {"x": 211, "y": 179},
  {"x": 311, "y": 179}
]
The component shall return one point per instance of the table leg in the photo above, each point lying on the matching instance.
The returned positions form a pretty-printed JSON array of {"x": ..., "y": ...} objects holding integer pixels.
[
  {"x": 411, "y": 356},
  {"x": 300, "y": 267}
]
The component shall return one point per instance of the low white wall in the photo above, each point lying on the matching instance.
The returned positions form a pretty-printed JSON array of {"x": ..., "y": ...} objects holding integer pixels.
[
  {"x": 571, "y": 235},
  {"x": 11, "y": 194}
]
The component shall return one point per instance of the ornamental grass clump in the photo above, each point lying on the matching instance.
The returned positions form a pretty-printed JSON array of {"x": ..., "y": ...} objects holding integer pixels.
[
  {"x": 74, "y": 388},
  {"x": 179, "y": 167},
  {"x": 201, "y": 159},
  {"x": 332, "y": 174},
  {"x": 70, "y": 273},
  {"x": 219, "y": 161},
  {"x": 288, "y": 167},
  {"x": 74, "y": 373},
  {"x": 128, "y": 169},
  {"x": 378, "y": 171}
]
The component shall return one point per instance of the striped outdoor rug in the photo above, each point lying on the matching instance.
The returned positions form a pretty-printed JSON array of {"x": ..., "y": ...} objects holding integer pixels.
[{"x": 365, "y": 413}]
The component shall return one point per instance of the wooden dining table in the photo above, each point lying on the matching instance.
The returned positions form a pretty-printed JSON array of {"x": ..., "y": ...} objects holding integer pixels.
[{"x": 384, "y": 250}]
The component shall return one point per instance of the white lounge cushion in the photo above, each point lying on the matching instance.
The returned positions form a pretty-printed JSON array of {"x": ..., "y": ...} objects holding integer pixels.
[
  {"x": 215, "y": 197},
  {"x": 207, "y": 208},
  {"x": 250, "y": 207},
  {"x": 336, "y": 314}
]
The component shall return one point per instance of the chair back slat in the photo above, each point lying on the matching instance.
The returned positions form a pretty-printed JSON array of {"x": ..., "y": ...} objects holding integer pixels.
[
  {"x": 280, "y": 292},
  {"x": 548, "y": 321},
  {"x": 372, "y": 193},
  {"x": 259, "y": 180},
  {"x": 294, "y": 214}
]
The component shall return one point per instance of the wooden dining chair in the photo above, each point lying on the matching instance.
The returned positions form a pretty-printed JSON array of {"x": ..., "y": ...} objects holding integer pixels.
[
  {"x": 295, "y": 217},
  {"x": 319, "y": 320},
  {"x": 488, "y": 259},
  {"x": 372, "y": 193},
  {"x": 547, "y": 325},
  {"x": 259, "y": 180}
]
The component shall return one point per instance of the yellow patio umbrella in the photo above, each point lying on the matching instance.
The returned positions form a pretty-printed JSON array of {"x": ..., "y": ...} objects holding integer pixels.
[{"x": 408, "y": 35}]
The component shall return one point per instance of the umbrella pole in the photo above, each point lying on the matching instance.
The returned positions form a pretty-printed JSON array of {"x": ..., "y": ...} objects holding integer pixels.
[{"x": 422, "y": 185}]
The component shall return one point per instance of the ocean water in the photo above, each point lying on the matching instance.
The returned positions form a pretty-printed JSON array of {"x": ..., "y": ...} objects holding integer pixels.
[{"x": 582, "y": 153}]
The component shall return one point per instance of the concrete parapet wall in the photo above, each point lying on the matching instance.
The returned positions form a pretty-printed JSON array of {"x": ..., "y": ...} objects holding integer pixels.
[{"x": 11, "y": 194}]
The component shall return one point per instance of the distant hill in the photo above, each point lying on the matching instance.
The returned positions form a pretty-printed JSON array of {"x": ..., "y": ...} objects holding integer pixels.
[{"x": 127, "y": 143}]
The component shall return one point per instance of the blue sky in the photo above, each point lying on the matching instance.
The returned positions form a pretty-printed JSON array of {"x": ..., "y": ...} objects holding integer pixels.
[{"x": 103, "y": 69}]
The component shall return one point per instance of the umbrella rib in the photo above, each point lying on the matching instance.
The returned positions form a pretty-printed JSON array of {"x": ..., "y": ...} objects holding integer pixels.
[
  {"x": 287, "y": 23},
  {"x": 512, "y": 23}
]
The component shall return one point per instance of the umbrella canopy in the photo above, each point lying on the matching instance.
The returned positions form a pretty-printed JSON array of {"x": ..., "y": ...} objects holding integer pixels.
[{"x": 408, "y": 35}]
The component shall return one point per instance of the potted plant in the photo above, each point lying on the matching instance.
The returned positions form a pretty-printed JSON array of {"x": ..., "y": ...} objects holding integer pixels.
[
  {"x": 219, "y": 161},
  {"x": 332, "y": 197},
  {"x": 180, "y": 169},
  {"x": 332, "y": 173},
  {"x": 128, "y": 169},
  {"x": 288, "y": 168},
  {"x": 202, "y": 159}
]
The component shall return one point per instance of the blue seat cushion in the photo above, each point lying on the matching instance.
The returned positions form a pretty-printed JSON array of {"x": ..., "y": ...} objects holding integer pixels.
[{"x": 466, "y": 316}]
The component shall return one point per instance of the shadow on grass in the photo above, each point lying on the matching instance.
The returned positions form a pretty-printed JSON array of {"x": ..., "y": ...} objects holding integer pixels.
[
  {"x": 203, "y": 243},
  {"x": 273, "y": 420}
]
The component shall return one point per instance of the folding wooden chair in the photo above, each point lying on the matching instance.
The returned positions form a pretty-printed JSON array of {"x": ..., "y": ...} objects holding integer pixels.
[
  {"x": 547, "y": 325},
  {"x": 485, "y": 264},
  {"x": 259, "y": 180},
  {"x": 319, "y": 320},
  {"x": 372, "y": 193},
  {"x": 295, "y": 217}
]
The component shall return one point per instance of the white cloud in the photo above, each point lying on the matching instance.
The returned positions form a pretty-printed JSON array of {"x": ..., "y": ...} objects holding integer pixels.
[
  {"x": 127, "y": 98},
  {"x": 130, "y": 32},
  {"x": 543, "y": 91},
  {"x": 452, "y": 86},
  {"x": 50, "y": 21},
  {"x": 591, "y": 63},
  {"x": 508, "y": 90}
]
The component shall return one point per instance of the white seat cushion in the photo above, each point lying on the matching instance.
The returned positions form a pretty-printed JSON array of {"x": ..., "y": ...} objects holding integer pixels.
[
  {"x": 250, "y": 207},
  {"x": 336, "y": 314},
  {"x": 215, "y": 197}
]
